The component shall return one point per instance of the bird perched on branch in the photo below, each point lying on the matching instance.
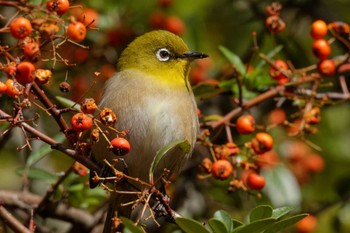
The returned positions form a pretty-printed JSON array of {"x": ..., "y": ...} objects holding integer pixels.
[{"x": 153, "y": 100}]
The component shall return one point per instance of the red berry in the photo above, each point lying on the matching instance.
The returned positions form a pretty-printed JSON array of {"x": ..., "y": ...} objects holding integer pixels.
[
  {"x": 321, "y": 49},
  {"x": 262, "y": 142},
  {"x": 255, "y": 181},
  {"x": 25, "y": 72},
  {"x": 60, "y": 6},
  {"x": 3, "y": 88},
  {"x": 20, "y": 28},
  {"x": 120, "y": 146},
  {"x": 307, "y": 224},
  {"x": 245, "y": 124},
  {"x": 76, "y": 31},
  {"x": 165, "y": 3},
  {"x": 221, "y": 169},
  {"x": 313, "y": 116},
  {"x": 156, "y": 19},
  {"x": 326, "y": 67},
  {"x": 81, "y": 122},
  {"x": 318, "y": 29}
]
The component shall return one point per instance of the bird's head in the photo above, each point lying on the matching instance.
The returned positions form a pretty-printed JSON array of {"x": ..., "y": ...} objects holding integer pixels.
[{"x": 161, "y": 54}]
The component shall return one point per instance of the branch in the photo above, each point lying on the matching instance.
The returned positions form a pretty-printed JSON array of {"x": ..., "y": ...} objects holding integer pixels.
[
  {"x": 60, "y": 211},
  {"x": 12, "y": 222}
]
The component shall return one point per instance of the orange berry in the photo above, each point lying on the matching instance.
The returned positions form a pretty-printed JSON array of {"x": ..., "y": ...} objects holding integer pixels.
[
  {"x": 13, "y": 88},
  {"x": 340, "y": 27},
  {"x": 268, "y": 159},
  {"x": 313, "y": 116},
  {"x": 313, "y": 163},
  {"x": 3, "y": 88},
  {"x": 278, "y": 74},
  {"x": 88, "y": 106},
  {"x": 25, "y": 72},
  {"x": 255, "y": 181},
  {"x": 277, "y": 116},
  {"x": 245, "y": 124},
  {"x": 326, "y": 67},
  {"x": 175, "y": 25},
  {"x": 76, "y": 31},
  {"x": 120, "y": 146},
  {"x": 81, "y": 122},
  {"x": 221, "y": 169},
  {"x": 80, "y": 169},
  {"x": 307, "y": 224},
  {"x": 59, "y": 6},
  {"x": 321, "y": 49},
  {"x": 89, "y": 17},
  {"x": 262, "y": 142},
  {"x": 275, "y": 24},
  {"x": 318, "y": 29},
  {"x": 20, "y": 28}
]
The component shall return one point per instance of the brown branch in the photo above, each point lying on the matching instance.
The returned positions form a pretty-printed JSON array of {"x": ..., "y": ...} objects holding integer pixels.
[
  {"x": 12, "y": 222},
  {"x": 62, "y": 211}
]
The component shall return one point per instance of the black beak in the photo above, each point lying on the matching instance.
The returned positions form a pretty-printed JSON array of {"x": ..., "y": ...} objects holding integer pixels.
[{"x": 192, "y": 55}]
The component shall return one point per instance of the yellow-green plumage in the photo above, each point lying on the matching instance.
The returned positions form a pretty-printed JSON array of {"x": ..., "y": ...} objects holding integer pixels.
[{"x": 153, "y": 100}]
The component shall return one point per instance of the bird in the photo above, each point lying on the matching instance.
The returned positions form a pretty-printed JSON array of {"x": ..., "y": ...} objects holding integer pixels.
[{"x": 152, "y": 97}]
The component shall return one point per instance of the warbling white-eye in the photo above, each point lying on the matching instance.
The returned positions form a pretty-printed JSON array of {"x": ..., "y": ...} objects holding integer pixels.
[{"x": 153, "y": 100}]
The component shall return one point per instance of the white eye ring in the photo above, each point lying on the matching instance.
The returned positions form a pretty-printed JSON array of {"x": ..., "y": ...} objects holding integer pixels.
[{"x": 163, "y": 54}]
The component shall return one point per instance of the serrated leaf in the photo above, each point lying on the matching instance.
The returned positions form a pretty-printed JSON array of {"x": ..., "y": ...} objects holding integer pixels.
[
  {"x": 224, "y": 217},
  {"x": 38, "y": 174},
  {"x": 260, "y": 212},
  {"x": 68, "y": 103},
  {"x": 255, "y": 227},
  {"x": 280, "y": 212},
  {"x": 40, "y": 153},
  {"x": 183, "y": 145},
  {"x": 191, "y": 226},
  {"x": 130, "y": 225},
  {"x": 217, "y": 226},
  {"x": 233, "y": 59},
  {"x": 280, "y": 225}
]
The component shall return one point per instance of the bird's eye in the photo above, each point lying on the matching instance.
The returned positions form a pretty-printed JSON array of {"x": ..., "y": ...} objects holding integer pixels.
[{"x": 163, "y": 54}]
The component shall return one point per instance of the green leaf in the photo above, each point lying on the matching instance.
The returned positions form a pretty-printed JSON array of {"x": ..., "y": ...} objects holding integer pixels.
[
  {"x": 255, "y": 227},
  {"x": 233, "y": 59},
  {"x": 224, "y": 217},
  {"x": 38, "y": 174},
  {"x": 130, "y": 225},
  {"x": 260, "y": 212},
  {"x": 40, "y": 153},
  {"x": 271, "y": 54},
  {"x": 280, "y": 212},
  {"x": 228, "y": 84},
  {"x": 191, "y": 226},
  {"x": 76, "y": 187},
  {"x": 282, "y": 188},
  {"x": 206, "y": 90},
  {"x": 280, "y": 225},
  {"x": 217, "y": 226},
  {"x": 212, "y": 118},
  {"x": 236, "y": 223},
  {"x": 183, "y": 145},
  {"x": 68, "y": 103}
]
